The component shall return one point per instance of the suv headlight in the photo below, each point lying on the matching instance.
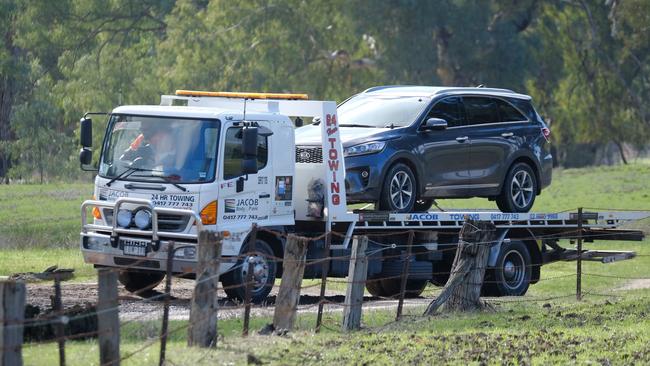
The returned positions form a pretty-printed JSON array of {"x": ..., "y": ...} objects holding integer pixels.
[{"x": 366, "y": 148}]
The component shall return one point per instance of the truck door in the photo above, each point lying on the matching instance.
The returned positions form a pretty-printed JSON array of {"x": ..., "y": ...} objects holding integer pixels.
[{"x": 252, "y": 204}]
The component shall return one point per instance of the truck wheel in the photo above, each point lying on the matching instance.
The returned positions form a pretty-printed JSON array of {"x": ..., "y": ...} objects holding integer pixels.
[
  {"x": 422, "y": 205},
  {"x": 399, "y": 190},
  {"x": 391, "y": 287},
  {"x": 513, "y": 271},
  {"x": 264, "y": 271},
  {"x": 519, "y": 189},
  {"x": 140, "y": 281}
]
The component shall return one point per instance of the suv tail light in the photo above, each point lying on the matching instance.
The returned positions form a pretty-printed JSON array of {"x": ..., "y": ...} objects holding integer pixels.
[{"x": 547, "y": 133}]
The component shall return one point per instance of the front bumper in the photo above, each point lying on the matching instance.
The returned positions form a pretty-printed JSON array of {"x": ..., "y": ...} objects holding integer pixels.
[
  {"x": 104, "y": 245},
  {"x": 363, "y": 177}
]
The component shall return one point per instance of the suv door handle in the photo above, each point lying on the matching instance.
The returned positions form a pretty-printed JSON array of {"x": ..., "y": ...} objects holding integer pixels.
[
  {"x": 462, "y": 139},
  {"x": 507, "y": 134}
]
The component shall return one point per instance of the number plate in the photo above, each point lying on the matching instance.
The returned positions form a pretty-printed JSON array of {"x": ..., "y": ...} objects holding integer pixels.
[{"x": 134, "y": 247}]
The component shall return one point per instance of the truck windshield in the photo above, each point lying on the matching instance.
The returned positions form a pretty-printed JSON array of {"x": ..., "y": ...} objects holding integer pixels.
[
  {"x": 381, "y": 111},
  {"x": 146, "y": 148}
]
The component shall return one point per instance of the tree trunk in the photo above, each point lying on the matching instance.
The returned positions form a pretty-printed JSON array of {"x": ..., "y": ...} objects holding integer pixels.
[
  {"x": 621, "y": 150},
  {"x": 463, "y": 289}
]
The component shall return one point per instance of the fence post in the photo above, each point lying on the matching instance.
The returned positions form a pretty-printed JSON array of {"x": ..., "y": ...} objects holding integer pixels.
[
  {"x": 405, "y": 275},
  {"x": 59, "y": 327},
  {"x": 293, "y": 269},
  {"x": 579, "y": 262},
  {"x": 168, "y": 289},
  {"x": 357, "y": 273},
  {"x": 202, "y": 330},
  {"x": 252, "y": 240},
  {"x": 12, "y": 315},
  {"x": 108, "y": 321},
  {"x": 323, "y": 280}
]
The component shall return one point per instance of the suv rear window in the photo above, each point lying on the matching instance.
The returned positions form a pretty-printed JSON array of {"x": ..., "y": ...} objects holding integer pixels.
[
  {"x": 508, "y": 113},
  {"x": 480, "y": 110}
]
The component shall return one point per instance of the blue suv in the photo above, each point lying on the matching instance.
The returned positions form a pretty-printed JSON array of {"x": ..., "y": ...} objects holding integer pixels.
[{"x": 405, "y": 146}]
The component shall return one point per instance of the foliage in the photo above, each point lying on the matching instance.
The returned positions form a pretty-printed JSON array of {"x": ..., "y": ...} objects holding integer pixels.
[{"x": 586, "y": 63}]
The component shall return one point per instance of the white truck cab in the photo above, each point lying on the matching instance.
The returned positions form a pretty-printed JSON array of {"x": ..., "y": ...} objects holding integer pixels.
[{"x": 225, "y": 161}]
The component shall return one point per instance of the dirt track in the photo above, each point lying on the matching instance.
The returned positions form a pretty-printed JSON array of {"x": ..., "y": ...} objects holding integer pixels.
[{"x": 134, "y": 307}]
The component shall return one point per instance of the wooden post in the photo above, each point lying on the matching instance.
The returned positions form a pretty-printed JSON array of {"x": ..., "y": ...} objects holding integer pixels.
[
  {"x": 252, "y": 240},
  {"x": 12, "y": 316},
  {"x": 293, "y": 269},
  {"x": 323, "y": 280},
  {"x": 168, "y": 289},
  {"x": 108, "y": 320},
  {"x": 59, "y": 327},
  {"x": 462, "y": 291},
  {"x": 202, "y": 330},
  {"x": 405, "y": 275},
  {"x": 579, "y": 261},
  {"x": 357, "y": 274}
]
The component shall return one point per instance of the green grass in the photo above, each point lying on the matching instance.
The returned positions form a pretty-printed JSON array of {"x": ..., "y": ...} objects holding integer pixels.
[{"x": 546, "y": 326}]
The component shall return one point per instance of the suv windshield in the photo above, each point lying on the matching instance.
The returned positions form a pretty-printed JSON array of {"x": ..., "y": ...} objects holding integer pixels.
[
  {"x": 180, "y": 150},
  {"x": 380, "y": 111}
]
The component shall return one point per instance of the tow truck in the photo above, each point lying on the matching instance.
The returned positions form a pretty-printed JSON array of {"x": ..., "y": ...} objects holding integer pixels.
[{"x": 229, "y": 162}]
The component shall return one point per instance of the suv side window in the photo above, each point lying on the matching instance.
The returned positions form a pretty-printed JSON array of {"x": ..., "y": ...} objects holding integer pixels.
[
  {"x": 233, "y": 156},
  {"x": 449, "y": 109},
  {"x": 481, "y": 110},
  {"x": 508, "y": 113}
]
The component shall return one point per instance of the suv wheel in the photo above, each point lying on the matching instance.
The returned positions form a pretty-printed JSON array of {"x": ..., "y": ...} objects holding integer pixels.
[
  {"x": 399, "y": 190},
  {"x": 519, "y": 189}
]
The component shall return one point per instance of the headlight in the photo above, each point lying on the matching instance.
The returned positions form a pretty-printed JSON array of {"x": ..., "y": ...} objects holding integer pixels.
[
  {"x": 367, "y": 148},
  {"x": 142, "y": 219},
  {"x": 124, "y": 218}
]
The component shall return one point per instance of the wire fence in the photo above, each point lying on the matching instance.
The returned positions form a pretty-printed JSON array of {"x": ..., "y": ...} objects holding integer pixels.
[{"x": 402, "y": 292}]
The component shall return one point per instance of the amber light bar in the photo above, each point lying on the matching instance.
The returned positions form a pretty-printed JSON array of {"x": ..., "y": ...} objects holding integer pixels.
[{"x": 198, "y": 93}]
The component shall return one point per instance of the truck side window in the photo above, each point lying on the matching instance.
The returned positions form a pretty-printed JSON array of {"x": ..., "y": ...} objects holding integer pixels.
[{"x": 233, "y": 154}]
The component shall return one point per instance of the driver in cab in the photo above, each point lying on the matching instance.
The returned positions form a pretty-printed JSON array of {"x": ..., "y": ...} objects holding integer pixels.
[{"x": 152, "y": 148}]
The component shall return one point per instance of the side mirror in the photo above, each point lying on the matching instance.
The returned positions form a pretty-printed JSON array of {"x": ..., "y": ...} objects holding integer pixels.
[
  {"x": 85, "y": 156},
  {"x": 249, "y": 142},
  {"x": 249, "y": 148},
  {"x": 86, "y": 135},
  {"x": 435, "y": 124}
]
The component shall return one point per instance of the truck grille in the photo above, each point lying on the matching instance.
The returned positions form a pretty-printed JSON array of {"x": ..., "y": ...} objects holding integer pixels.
[
  {"x": 309, "y": 154},
  {"x": 166, "y": 222}
]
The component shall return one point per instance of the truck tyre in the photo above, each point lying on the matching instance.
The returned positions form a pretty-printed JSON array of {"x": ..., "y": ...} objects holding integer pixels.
[
  {"x": 139, "y": 281},
  {"x": 512, "y": 273},
  {"x": 422, "y": 205},
  {"x": 399, "y": 190},
  {"x": 391, "y": 287},
  {"x": 264, "y": 272},
  {"x": 519, "y": 189}
]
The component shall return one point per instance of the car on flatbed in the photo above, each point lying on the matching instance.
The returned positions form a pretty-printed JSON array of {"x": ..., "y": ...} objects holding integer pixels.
[{"x": 406, "y": 146}]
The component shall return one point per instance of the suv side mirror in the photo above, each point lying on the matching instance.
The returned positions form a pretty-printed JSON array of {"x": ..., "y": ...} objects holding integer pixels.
[
  {"x": 249, "y": 148},
  {"x": 86, "y": 132},
  {"x": 435, "y": 124}
]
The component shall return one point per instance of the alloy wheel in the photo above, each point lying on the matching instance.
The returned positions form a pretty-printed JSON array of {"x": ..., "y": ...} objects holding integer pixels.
[
  {"x": 521, "y": 189},
  {"x": 401, "y": 190}
]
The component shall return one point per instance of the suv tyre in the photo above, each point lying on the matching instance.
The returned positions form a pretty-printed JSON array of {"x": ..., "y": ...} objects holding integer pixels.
[
  {"x": 519, "y": 189},
  {"x": 399, "y": 190}
]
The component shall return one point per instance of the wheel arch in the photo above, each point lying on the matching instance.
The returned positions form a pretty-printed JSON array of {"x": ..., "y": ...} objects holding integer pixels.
[
  {"x": 532, "y": 164},
  {"x": 409, "y": 161}
]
